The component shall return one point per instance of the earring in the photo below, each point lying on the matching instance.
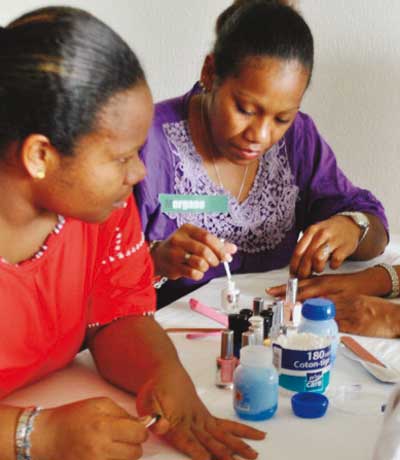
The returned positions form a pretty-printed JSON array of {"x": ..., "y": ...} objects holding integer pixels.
[
  {"x": 202, "y": 86},
  {"x": 40, "y": 174}
]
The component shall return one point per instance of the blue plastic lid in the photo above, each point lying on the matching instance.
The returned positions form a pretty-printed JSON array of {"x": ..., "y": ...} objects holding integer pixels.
[
  {"x": 318, "y": 309},
  {"x": 309, "y": 405}
]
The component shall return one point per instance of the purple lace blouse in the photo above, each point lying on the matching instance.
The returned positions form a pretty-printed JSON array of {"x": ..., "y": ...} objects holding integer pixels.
[{"x": 297, "y": 184}]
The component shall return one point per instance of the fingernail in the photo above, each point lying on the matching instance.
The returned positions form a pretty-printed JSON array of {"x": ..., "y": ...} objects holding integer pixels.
[
  {"x": 149, "y": 420},
  {"x": 228, "y": 258}
]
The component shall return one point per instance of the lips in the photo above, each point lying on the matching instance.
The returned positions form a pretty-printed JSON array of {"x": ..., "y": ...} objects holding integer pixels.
[{"x": 247, "y": 153}]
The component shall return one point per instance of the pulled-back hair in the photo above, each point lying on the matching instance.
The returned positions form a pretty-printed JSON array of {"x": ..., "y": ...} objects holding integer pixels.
[
  {"x": 261, "y": 28},
  {"x": 58, "y": 67}
]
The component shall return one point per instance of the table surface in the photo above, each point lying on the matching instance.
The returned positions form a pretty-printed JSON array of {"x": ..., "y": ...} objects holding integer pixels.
[{"x": 345, "y": 432}]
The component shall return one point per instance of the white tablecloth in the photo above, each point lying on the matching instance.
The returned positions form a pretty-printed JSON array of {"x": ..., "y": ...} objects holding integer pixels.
[{"x": 347, "y": 431}]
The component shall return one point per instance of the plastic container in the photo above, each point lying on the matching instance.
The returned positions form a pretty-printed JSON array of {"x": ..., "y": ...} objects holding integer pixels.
[
  {"x": 303, "y": 361},
  {"x": 318, "y": 317},
  {"x": 309, "y": 405},
  {"x": 255, "y": 384}
]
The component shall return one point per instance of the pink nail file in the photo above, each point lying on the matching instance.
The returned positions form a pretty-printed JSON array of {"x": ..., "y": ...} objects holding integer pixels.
[
  {"x": 201, "y": 335},
  {"x": 210, "y": 312}
]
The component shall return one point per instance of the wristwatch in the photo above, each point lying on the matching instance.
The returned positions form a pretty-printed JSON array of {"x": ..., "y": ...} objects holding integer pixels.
[{"x": 360, "y": 219}]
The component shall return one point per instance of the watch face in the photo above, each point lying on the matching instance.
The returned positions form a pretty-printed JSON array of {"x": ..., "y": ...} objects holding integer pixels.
[{"x": 361, "y": 219}]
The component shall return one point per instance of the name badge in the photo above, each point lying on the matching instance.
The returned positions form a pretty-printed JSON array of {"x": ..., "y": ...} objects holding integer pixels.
[{"x": 193, "y": 203}]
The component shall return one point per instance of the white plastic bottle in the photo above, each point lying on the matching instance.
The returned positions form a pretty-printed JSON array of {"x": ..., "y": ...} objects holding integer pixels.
[{"x": 318, "y": 317}]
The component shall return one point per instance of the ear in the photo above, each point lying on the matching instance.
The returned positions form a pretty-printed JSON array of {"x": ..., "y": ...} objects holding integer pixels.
[
  {"x": 38, "y": 155},
  {"x": 208, "y": 73}
]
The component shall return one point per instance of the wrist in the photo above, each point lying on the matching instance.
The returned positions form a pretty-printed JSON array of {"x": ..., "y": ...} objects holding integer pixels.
[{"x": 375, "y": 282}]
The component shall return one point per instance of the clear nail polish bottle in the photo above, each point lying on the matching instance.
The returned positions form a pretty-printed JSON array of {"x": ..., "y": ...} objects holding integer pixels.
[{"x": 230, "y": 297}]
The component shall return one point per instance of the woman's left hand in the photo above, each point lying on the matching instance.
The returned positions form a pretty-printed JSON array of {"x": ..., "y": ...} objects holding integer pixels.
[
  {"x": 365, "y": 315},
  {"x": 331, "y": 240},
  {"x": 193, "y": 430},
  {"x": 367, "y": 282}
]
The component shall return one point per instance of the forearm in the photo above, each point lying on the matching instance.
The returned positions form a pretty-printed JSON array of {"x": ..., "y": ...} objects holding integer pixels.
[
  {"x": 8, "y": 423},
  {"x": 130, "y": 351},
  {"x": 375, "y": 241}
]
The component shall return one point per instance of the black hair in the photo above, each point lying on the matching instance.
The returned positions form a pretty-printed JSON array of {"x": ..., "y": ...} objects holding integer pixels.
[
  {"x": 261, "y": 28},
  {"x": 58, "y": 68}
]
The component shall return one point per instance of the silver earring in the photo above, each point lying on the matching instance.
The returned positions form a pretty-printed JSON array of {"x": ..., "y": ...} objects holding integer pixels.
[{"x": 202, "y": 86}]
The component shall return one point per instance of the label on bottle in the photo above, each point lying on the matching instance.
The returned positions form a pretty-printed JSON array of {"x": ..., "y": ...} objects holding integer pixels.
[{"x": 302, "y": 370}]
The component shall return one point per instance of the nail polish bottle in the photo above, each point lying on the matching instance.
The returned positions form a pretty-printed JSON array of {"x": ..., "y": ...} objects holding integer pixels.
[
  {"x": 257, "y": 327},
  {"x": 278, "y": 323},
  {"x": 248, "y": 338},
  {"x": 291, "y": 303},
  {"x": 258, "y": 306},
  {"x": 226, "y": 362},
  {"x": 230, "y": 297},
  {"x": 256, "y": 321},
  {"x": 238, "y": 323},
  {"x": 268, "y": 315}
]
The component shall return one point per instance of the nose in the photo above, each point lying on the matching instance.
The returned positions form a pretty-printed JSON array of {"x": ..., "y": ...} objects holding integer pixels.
[
  {"x": 259, "y": 131},
  {"x": 136, "y": 172}
]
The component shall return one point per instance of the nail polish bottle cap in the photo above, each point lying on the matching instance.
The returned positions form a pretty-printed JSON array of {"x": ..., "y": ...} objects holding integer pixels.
[
  {"x": 255, "y": 356},
  {"x": 258, "y": 305},
  {"x": 227, "y": 344}
]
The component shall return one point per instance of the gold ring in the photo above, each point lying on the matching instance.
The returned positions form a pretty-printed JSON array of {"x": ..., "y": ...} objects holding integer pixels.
[{"x": 187, "y": 256}]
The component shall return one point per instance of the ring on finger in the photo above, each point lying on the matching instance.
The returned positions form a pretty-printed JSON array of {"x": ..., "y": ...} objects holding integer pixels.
[
  {"x": 187, "y": 256},
  {"x": 326, "y": 251}
]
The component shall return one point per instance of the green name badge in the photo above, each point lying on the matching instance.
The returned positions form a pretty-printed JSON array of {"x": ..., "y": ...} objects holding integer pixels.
[{"x": 193, "y": 203}]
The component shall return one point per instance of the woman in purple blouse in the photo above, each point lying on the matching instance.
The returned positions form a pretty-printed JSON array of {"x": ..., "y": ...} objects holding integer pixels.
[{"x": 239, "y": 132}]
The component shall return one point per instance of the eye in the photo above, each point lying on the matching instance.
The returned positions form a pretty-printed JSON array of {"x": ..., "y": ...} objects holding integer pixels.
[
  {"x": 282, "y": 121},
  {"x": 241, "y": 109}
]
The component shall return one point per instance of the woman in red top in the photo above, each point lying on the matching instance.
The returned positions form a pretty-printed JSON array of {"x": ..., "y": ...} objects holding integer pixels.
[{"x": 74, "y": 268}]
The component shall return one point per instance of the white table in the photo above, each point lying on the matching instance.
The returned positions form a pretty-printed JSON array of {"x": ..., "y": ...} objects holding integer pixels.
[{"x": 337, "y": 435}]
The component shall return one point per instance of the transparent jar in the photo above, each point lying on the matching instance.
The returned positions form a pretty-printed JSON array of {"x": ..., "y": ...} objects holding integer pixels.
[{"x": 255, "y": 384}]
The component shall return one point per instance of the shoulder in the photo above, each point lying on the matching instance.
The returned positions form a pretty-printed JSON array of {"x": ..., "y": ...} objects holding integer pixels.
[
  {"x": 173, "y": 109},
  {"x": 302, "y": 127}
]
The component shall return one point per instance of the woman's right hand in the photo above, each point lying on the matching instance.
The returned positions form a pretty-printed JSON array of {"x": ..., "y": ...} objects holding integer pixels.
[
  {"x": 90, "y": 429},
  {"x": 189, "y": 252}
]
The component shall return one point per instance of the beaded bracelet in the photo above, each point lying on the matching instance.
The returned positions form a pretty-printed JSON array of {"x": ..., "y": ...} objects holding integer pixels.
[
  {"x": 394, "y": 278},
  {"x": 23, "y": 432}
]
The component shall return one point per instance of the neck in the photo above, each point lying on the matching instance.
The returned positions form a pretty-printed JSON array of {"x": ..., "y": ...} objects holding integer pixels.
[{"x": 17, "y": 207}]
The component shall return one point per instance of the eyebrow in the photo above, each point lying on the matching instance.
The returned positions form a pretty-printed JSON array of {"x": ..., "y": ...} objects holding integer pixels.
[{"x": 253, "y": 101}]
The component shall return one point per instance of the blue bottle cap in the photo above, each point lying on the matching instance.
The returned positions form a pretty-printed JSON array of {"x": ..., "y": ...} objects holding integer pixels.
[
  {"x": 318, "y": 309},
  {"x": 309, "y": 405}
]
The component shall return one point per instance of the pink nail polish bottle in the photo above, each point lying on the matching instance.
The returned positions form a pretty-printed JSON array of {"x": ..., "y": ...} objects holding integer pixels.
[{"x": 226, "y": 363}]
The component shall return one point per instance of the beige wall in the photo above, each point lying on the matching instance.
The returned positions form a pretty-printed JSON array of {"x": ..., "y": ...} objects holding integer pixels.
[{"x": 354, "y": 96}]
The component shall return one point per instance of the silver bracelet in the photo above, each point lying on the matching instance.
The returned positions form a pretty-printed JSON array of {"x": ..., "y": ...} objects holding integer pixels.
[
  {"x": 23, "y": 432},
  {"x": 160, "y": 282},
  {"x": 394, "y": 278}
]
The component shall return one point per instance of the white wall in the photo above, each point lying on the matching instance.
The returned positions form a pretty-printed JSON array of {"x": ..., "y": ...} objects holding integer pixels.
[{"x": 354, "y": 96}]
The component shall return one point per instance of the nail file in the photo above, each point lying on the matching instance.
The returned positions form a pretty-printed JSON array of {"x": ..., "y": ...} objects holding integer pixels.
[
  {"x": 201, "y": 335},
  {"x": 360, "y": 351},
  {"x": 206, "y": 330},
  {"x": 210, "y": 312}
]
